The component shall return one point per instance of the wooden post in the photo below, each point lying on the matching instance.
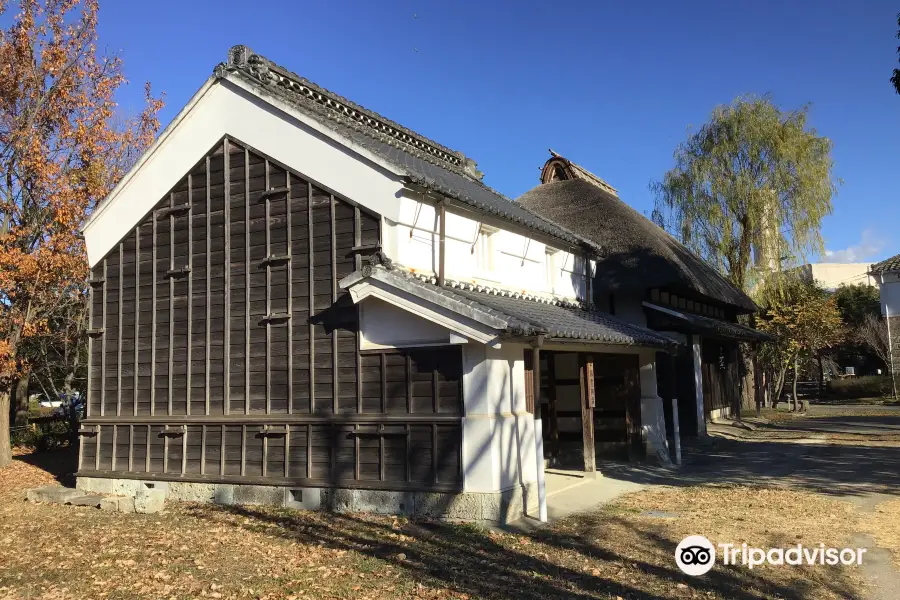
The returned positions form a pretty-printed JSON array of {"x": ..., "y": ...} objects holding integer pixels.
[
  {"x": 536, "y": 381},
  {"x": 442, "y": 236},
  {"x": 586, "y": 380},
  {"x": 673, "y": 386},
  {"x": 552, "y": 417}
]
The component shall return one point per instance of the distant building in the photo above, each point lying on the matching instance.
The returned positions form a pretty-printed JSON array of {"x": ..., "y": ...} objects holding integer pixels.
[
  {"x": 887, "y": 275},
  {"x": 833, "y": 275}
]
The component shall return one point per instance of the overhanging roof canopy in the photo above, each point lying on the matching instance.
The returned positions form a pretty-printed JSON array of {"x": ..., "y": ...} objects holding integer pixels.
[
  {"x": 685, "y": 322},
  {"x": 490, "y": 317}
]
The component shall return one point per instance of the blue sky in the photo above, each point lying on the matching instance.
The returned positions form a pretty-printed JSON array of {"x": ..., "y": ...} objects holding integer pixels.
[{"x": 612, "y": 86}]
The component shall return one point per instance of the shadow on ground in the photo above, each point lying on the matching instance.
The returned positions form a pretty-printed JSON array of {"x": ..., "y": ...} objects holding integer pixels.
[
  {"x": 836, "y": 470},
  {"x": 61, "y": 463},
  {"x": 578, "y": 561}
]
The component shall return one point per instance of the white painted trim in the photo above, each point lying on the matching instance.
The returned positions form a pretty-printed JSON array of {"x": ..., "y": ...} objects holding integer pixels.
[
  {"x": 160, "y": 142},
  {"x": 445, "y": 318},
  {"x": 230, "y": 107}
]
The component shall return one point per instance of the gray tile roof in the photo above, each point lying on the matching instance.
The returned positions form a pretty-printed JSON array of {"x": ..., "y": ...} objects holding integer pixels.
[
  {"x": 425, "y": 162},
  {"x": 518, "y": 316},
  {"x": 888, "y": 264}
]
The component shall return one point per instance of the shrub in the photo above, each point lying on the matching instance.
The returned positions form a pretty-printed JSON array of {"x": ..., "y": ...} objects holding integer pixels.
[
  {"x": 871, "y": 386},
  {"x": 43, "y": 436}
]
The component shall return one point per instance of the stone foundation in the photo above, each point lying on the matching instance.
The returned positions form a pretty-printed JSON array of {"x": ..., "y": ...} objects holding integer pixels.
[{"x": 492, "y": 507}]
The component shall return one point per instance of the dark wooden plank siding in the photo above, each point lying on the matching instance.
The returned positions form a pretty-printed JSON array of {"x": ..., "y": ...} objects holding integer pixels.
[{"x": 223, "y": 349}]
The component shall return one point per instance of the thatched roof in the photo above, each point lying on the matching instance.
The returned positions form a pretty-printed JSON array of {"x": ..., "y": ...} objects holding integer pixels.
[{"x": 637, "y": 254}]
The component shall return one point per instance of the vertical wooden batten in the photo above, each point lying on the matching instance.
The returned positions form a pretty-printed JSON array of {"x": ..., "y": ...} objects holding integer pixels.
[
  {"x": 190, "y": 293},
  {"x": 153, "y": 278},
  {"x": 312, "y": 295},
  {"x": 103, "y": 356},
  {"x": 137, "y": 328},
  {"x": 357, "y": 265},
  {"x": 208, "y": 294},
  {"x": 246, "y": 286},
  {"x": 119, "y": 338},
  {"x": 171, "y": 305},
  {"x": 290, "y": 311},
  {"x": 268, "y": 306},
  {"x": 226, "y": 400},
  {"x": 334, "y": 334}
]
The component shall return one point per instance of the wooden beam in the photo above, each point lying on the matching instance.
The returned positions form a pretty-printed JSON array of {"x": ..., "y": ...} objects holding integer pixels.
[
  {"x": 357, "y": 265},
  {"x": 586, "y": 372},
  {"x": 131, "y": 447},
  {"x": 290, "y": 308},
  {"x": 171, "y": 303},
  {"x": 103, "y": 356},
  {"x": 553, "y": 417},
  {"x": 208, "y": 295},
  {"x": 119, "y": 340},
  {"x": 90, "y": 379},
  {"x": 226, "y": 350},
  {"x": 246, "y": 286},
  {"x": 137, "y": 320},
  {"x": 334, "y": 294},
  {"x": 190, "y": 294},
  {"x": 312, "y": 304},
  {"x": 203, "y": 445},
  {"x": 268, "y": 309},
  {"x": 442, "y": 236}
]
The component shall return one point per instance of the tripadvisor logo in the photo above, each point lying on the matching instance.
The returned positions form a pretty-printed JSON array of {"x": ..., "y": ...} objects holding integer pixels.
[{"x": 696, "y": 555}]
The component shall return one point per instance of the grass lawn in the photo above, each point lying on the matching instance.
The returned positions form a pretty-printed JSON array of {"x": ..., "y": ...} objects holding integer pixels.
[{"x": 204, "y": 551}]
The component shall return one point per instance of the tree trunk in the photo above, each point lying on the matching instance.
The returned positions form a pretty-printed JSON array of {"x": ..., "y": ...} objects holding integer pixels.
[
  {"x": 821, "y": 375},
  {"x": 5, "y": 449},
  {"x": 20, "y": 401},
  {"x": 796, "y": 371},
  {"x": 748, "y": 378}
]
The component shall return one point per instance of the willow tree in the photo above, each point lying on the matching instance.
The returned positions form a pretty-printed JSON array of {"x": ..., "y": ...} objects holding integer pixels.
[
  {"x": 63, "y": 145},
  {"x": 752, "y": 183},
  {"x": 750, "y": 186}
]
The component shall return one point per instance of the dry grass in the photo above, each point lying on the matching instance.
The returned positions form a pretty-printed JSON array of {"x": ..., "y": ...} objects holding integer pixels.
[
  {"x": 884, "y": 525},
  {"x": 202, "y": 551}
]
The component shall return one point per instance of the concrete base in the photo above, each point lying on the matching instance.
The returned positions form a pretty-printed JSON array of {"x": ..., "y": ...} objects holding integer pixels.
[{"x": 492, "y": 507}]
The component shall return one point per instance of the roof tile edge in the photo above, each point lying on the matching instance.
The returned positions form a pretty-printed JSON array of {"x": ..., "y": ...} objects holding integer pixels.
[{"x": 243, "y": 59}]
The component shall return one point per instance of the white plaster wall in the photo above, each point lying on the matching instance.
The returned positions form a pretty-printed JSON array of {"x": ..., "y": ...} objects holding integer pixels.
[
  {"x": 498, "y": 433},
  {"x": 653, "y": 421},
  {"x": 890, "y": 294},
  {"x": 224, "y": 107},
  {"x": 384, "y": 325},
  {"x": 833, "y": 275},
  {"x": 520, "y": 263}
]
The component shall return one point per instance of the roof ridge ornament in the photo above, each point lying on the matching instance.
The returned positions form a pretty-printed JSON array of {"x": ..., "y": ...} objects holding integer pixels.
[{"x": 242, "y": 58}]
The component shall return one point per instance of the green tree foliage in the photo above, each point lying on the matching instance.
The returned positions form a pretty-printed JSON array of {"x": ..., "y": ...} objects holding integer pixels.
[
  {"x": 752, "y": 179},
  {"x": 857, "y": 301},
  {"x": 860, "y": 307},
  {"x": 805, "y": 321}
]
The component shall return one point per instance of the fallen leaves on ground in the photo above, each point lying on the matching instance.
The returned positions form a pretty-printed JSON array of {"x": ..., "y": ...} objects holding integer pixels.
[
  {"x": 52, "y": 552},
  {"x": 884, "y": 525}
]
